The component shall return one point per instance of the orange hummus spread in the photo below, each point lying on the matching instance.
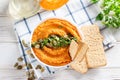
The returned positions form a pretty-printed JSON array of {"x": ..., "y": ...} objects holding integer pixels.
[{"x": 54, "y": 56}]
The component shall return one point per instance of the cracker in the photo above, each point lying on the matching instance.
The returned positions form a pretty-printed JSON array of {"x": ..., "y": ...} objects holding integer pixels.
[
  {"x": 73, "y": 49},
  {"x": 82, "y": 49},
  {"x": 79, "y": 66},
  {"x": 79, "y": 62},
  {"x": 95, "y": 55}
]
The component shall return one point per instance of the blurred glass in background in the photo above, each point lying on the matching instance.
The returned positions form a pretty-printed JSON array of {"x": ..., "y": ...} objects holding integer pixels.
[{"x": 19, "y": 9}]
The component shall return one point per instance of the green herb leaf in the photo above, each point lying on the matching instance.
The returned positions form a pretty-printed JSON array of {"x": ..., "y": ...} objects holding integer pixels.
[{"x": 99, "y": 16}]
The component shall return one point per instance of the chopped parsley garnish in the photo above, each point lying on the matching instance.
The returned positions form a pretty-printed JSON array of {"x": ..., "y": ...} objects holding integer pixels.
[{"x": 54, "y": 41}]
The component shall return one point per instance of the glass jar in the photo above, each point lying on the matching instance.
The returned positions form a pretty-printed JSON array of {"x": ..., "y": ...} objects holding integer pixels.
[{"x": 19, "y": 9}]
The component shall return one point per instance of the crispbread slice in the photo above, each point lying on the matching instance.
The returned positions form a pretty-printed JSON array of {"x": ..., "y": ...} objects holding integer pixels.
[
  {"x": 73, "y": 49},
  {"x": 95, "y": 55},
  {"x": 79, "y": 62},
  {"x": 79, "y": 66},
  {"x": 77, "y": 50},
  {"x": 82, "y": 49},
  {"x": 91, "y": 31}
]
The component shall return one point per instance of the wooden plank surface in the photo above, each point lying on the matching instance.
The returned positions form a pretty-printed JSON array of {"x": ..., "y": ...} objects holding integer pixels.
[
  {"x": 12, "y": 74},
  {"x": 6, "y": 29},
  {"x": 93, "y": 74}
]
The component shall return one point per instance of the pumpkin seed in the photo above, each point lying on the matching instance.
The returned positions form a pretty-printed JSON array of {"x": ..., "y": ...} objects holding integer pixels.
[
  {"x": 28, "y": 51},
  {"x": 30, "y": 78},
  {"x": 19, "y": 67},
  {"x": 16, "y": 64},
  {"x": 37, "y": 46},
  {"x": 24, "y": 44},
  {"x": 38, "y": 67},
  {"x": 29, "y": 66},
  {"x": 55, "y": 41},
  {"x": 52, "y": 35},
  {"x": 40, "y": 40},
  {"x": 49, "y": 45},
  {"x": 42, "y": 69},
  {"x": 32, "y": 72},
  {"x": 33, "y": 44},
  {"x": 28, "y": 73},
  {"x": 31, "y": 55},
  {"x": 41, "y": 45},
  {"x": 20, "y": 59}
]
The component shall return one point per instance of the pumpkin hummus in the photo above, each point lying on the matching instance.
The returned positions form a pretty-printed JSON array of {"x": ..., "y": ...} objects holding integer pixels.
[{"x": 54, "y": 56}]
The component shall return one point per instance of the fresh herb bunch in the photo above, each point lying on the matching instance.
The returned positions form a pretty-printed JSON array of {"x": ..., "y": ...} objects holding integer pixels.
[
  {"x": 110, "y": 13},
  {"x": 54, "y": 41}
]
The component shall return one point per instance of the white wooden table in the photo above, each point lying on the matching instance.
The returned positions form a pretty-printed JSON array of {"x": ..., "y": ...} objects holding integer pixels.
[{"x": 9, "y": 52}]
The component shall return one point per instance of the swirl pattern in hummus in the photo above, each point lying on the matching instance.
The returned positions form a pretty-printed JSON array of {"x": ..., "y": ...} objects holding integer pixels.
[{"x": 52, "y": 56}]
